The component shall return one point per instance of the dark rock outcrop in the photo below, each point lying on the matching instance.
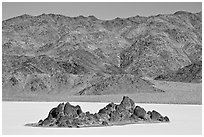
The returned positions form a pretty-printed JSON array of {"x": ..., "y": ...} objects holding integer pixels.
[
  {"x": 67, "y": 115},
  {"x": 140, "y": 112},
  {"x": 127, "y": 103},
  {"x": 154, "y": 115},
  {"x": 72, "y": 111}
]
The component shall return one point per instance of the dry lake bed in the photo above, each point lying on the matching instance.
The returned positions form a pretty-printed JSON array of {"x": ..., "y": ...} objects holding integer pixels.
[{"x": 184, "y": 119}]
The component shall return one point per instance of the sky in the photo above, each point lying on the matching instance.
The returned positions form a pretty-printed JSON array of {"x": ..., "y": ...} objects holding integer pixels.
[{"x": 101, "y": 10}]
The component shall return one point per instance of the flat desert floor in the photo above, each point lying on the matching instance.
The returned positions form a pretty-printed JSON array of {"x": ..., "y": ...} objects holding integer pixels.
[
  {"x": 184, "y": 119},
  {"x": 175, "y": 93}
]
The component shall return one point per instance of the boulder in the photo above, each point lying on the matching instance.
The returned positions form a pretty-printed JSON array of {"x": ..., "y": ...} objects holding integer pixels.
[
  {"x": 120, "y": 108},
  {"x": 166, "y": 119},
  {"x": 102, "y": 111},
  {"x": 156, "y": 116},
  {"x": 140, "y": 112},
  {"x": 60, "y": 107},
  {"x": 114, "y": 116},
  {"x": 111, "y": 107},
  {"x": 72, "y": 111},
  {"x": 127, "y": 103},
  {"x": 78, "y": 109},
  {"x": 40, "y": 122},
  {"x": 147, "y": 117},
  {"x": 108, "y": 109},
  {"x": 55, "y": 112}
]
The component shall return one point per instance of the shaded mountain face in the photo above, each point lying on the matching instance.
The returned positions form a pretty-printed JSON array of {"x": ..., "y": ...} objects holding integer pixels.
[
  {"x": 190, "y": 73},
  {"x": 57, "y": 52}
]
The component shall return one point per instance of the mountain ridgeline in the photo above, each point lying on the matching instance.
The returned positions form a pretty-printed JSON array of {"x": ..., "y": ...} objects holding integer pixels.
[{"x": 85, "y": 55}]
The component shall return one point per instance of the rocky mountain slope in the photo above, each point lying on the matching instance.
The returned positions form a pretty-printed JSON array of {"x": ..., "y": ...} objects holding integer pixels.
[
  {"x": 87, "y": 55},
  {"x": 191, "y": 73},
  {"x": 67, "y": 115}
]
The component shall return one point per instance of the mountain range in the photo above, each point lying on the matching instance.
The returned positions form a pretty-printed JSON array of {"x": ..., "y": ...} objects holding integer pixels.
[{"x": 88, "y": 56}]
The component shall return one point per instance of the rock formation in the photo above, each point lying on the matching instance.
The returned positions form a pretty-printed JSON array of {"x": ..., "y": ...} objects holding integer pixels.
[{"x": 67, "y": 115}]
